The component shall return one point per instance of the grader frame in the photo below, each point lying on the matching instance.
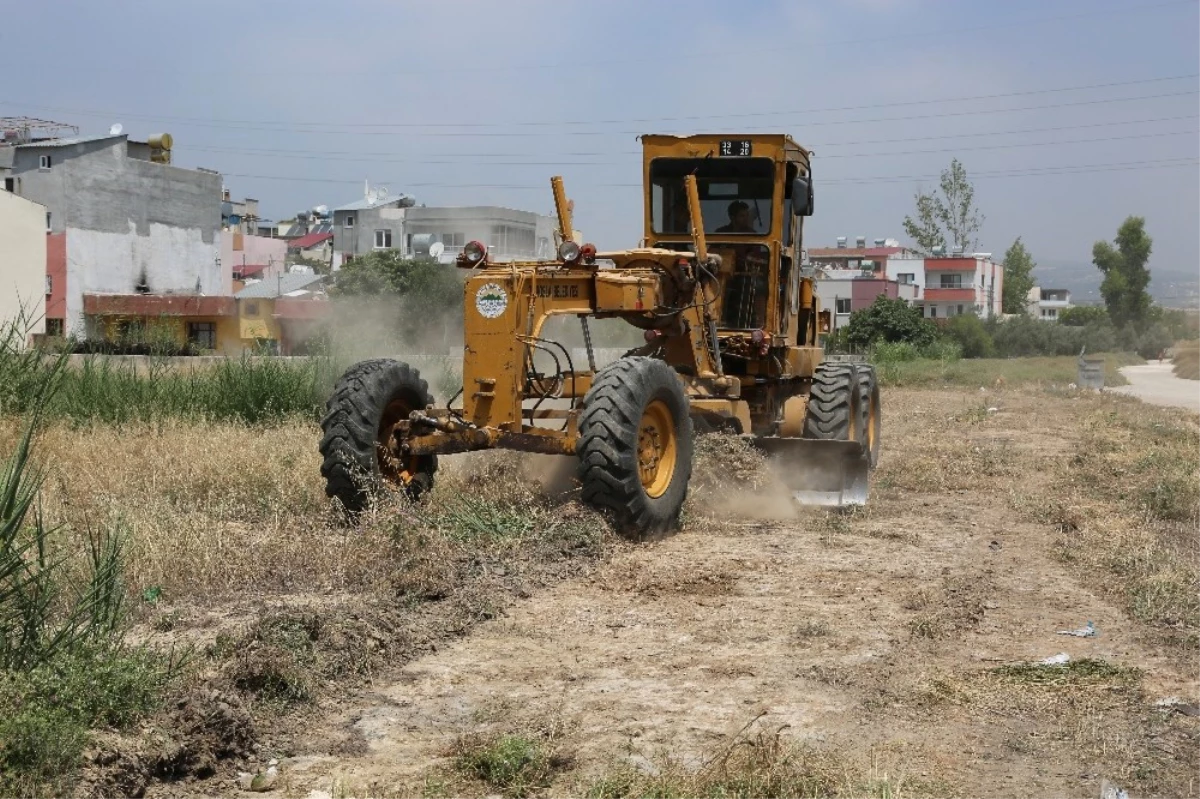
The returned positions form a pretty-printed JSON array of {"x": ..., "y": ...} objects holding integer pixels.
[{"x": 732, "y": 331}]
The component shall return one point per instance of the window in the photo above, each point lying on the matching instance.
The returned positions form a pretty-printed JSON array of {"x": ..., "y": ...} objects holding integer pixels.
[
  {"x": 951, "y": 281},
  {"x": 932, "y": 311},
  {"x": 251, "y": 309},
  {"x": 383, "y": 239},
  {"x": 202, "y": 334},
  {"x": 131, "y": 330},
  {"x": 54, "y": 328},
  {"x": 745, "y": 295},
  {"x": 907, "y": 278},
  {"x": 843, "y": 305},
  {"x": 959, "y": 311},
  {"x": 10, "y": 184},
  {"x": 408, "y": 243},
  {"x": 348, "y": 221},
  {"x": 43, "y": 162},
  {"x": 49, "y": 285},
  {"x": 736, "y": 194},
  {"x": 454, "y": 239},
  {"x": 48, "y": 225}
]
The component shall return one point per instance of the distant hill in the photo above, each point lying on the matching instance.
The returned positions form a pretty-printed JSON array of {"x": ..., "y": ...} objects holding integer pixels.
[{"x": 1171, "y": 287}]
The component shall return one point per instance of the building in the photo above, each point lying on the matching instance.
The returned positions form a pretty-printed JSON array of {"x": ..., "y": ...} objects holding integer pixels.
[
  {"x": 252, "y": 257},
  {"x": 24, "y": 283},
  {"x": 313, "y": 247},
  {"x": 960, "y": 284},
  {"x": 131, "y": 237},
  {"x": 382, "y": 222},
  {"x": 281, "y": 315},
  {"x": 859, "y": 258},
  {"x": 1047, "y": 304},
  {"x": 843, "y": 292},
  {"x": 239, "y": 215},
  {"x": 376, "y": 222}
]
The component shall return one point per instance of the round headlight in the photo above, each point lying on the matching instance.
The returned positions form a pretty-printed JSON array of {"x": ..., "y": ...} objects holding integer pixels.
[
  {"x": 568, "y": 251},
  {"x": 475, "y": 251}
]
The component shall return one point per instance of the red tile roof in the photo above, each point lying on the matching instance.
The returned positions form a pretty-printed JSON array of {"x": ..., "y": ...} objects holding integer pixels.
[{"x": 310, "y": 240}]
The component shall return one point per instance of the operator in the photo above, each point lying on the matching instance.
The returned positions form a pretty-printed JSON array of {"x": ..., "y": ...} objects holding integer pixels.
[{"x": 739, "y": 219}]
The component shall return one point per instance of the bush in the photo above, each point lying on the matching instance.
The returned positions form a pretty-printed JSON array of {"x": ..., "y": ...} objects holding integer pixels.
[
  {"x": 1021, "y": 336},
  {"x": 63, "y": 669},
  {"x": 889, "y": 321},
  {"x": 970, "y": 334}
]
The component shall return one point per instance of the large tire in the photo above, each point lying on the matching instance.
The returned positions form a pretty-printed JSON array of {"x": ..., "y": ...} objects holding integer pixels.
[
  {"x": 869, "y": 408},
  {"x": 635, "y": 447},
  {"x": 833, "y": 406},
  {"x": 358, "y": 449}
]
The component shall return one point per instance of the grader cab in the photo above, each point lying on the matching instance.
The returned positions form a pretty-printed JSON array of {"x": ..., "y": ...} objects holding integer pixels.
[{"x": 732, "y": 332}]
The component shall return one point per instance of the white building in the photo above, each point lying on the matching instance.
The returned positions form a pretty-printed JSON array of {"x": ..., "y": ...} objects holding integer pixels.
[
  {"x": 960, "y": 284},
  {"x": 1047, "y": 304},
  {"x": 23, "y": 281}
]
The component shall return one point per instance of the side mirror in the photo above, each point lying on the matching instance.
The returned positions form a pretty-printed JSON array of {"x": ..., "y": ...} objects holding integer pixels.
[{"x": 802, "y": 197}]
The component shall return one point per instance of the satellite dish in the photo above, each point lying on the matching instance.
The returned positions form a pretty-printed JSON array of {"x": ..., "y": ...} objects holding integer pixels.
[
  {"x": 116, "y": 129},
  {"x": 436, "y": 249}
]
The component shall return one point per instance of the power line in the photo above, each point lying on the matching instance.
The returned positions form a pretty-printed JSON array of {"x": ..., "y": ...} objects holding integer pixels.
[
  {"x": 325, "y": 127},
  {"x": 1024, "y": 172},
  {"x": 383, "y": 157},
  {"x": 340, "y": 158}
]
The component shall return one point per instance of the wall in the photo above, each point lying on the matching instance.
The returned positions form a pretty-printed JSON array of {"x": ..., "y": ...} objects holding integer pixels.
[
  {"x": 128, "y": 219},
  {"x": 864, "y": 292},
  {"x": 22, "y": 262},
  {"x": 238, "y": 249},
  {"x": 56, "y": 270},
  {"x": 912, "y": 266}
]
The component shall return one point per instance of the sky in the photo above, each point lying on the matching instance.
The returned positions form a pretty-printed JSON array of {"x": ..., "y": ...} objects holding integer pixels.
[{"x": 1069, "y": 115}]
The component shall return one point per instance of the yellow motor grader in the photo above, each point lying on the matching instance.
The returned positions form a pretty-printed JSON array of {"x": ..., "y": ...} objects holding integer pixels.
[{"x": 732, "y": 332}]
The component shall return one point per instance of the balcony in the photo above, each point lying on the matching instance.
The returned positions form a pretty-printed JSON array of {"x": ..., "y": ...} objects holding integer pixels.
[{"x": 950, "y": 294}]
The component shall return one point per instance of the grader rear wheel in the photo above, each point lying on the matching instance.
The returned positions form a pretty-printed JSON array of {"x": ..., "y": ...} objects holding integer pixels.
[
  {"x": 635, "y": 446},
  {"x": 869, "y": 408},
  {"x": 360, "y": 452}
]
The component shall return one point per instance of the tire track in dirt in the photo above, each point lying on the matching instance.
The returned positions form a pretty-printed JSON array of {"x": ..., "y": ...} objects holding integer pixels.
[{"x": 837, "y": 626}]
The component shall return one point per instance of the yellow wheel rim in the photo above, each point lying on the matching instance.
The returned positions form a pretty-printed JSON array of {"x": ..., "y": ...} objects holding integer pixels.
[
  {"x": 657, "y": 449},
  {"x": 393, "y": 466}
]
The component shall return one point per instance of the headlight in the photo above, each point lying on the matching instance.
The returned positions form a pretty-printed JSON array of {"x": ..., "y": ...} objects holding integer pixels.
[
  {"x": 568, "y": 251},
  {"x": 475, "y": 251}
]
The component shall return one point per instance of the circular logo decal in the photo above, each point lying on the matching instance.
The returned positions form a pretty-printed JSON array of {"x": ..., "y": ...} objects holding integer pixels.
[{"x": 490, "y": 300}]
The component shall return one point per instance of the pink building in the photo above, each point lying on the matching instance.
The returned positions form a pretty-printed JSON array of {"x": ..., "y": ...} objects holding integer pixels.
[
  {"x": 961, "y": 284},
  {"x": 246, "y": 256}
]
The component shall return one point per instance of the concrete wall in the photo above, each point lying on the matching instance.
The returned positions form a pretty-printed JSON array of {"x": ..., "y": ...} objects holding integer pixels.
[
  {"x": 469, "y": 222},
  {"x": 910, "y": 266},
  {"x": 22, "y": 262},
  {"x": 129, "y": 221}
]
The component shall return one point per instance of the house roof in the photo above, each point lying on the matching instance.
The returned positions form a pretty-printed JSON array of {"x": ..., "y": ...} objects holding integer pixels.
[
  {"x": 854, "y": 252},
  {"x": 376, "y": 202},
  {"x": 278, "y": 287},
  {"x": 311, "y": 240},
  {"x": 70, "y": 141}
]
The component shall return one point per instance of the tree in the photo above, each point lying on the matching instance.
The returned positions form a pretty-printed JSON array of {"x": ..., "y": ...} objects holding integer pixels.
[
  {"x": 968, "y": 330},
  {"x": 1083, "y": 315},
  {"x": 950, "y": 217},
  {"x": 1125, "y": 274},
  {"x": 1018, "y": 277},
  {"x": 889, "y": 320}
]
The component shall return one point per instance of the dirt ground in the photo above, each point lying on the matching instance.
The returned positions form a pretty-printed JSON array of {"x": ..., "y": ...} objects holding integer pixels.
[{"x": 875, "y": 633}]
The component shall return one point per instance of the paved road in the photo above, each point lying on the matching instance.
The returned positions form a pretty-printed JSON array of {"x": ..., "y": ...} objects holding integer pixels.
[{"x": 1154, "y": 383}]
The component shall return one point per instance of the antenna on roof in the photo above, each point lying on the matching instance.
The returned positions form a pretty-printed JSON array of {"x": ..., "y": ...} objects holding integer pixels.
[{"x": 116, "y": 129}]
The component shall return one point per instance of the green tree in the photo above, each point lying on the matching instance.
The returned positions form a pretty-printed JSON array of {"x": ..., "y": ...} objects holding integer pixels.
[
  {"x": 1083, "y": 315},
  {"x": 1018, "y": 277},
  {"x": 951, "y": 216},
  {"x": 889, "y": 320},
  {"x": 434, "y": 285},
  {"x": 968, "y": 330},
  {"x": 1125, "y": 274}
]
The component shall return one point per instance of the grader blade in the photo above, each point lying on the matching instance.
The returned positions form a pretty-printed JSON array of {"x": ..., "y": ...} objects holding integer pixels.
[{"x": 830, "y": 474}]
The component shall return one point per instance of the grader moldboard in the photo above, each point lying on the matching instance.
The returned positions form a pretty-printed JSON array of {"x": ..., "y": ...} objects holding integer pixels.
[{"x": 732, "y": 331}]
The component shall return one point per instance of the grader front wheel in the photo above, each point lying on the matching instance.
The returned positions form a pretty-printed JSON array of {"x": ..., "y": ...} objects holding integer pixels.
[
  {"x": 359, "y": 449},
  {"x": 635, "y": 447}
]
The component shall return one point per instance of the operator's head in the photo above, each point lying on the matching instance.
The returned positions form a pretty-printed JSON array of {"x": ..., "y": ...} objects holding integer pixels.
[{"x": 739, "y": 216}]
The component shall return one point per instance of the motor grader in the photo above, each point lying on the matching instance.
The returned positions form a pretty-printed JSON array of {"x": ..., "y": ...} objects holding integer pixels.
[{"x": 732, "y": 330}]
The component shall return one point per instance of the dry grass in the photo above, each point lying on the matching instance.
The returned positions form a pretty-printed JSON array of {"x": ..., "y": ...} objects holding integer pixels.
[{"x": 1187, "y": 360}]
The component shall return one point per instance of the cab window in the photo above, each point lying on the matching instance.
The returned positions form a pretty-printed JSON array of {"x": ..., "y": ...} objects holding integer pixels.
[{"x": 735, "y": 195}]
